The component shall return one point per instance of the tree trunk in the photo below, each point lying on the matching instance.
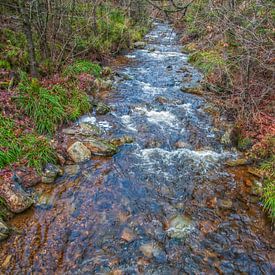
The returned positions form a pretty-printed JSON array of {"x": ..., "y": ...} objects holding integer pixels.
[{"x": 28, "y": 33}]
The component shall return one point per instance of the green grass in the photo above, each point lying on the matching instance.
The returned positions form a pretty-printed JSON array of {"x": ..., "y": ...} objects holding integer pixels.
[
  {"x": 83, "y": 66},
  {"x": 268, "y": 196},
  {"x": 50, "y": 107},
  {"x": 29, "y": 147},
  {"x": 207, "y": 61}
]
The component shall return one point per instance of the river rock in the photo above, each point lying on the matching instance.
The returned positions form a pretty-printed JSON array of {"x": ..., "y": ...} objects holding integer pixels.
[
  {"x": 181, "y": 144},
  {"x": 128, "y": 235},
  {"x": 237, "y": 162},
  {"x": 139, "y": 45},
  {"x": 71, "y": 170},
  {"x": 51, "y": 171},
  {"x": 102, "y": 109},
  {"x": 225, "y": 204},
  {"x": 78, "y": 152},
  {"x": 100, "y": 147},
  {"x": 121, "y": 141},
  {"x": 150, "y": 249},
  {"x": 4, "y": 231},
  {"x": 90, "y": 129},
  {"x": 192, "y": 90},
  {"x": 227, "y": 136},
  {"x": 17, "y": 200},
  {"x": 179, "y": 227}
]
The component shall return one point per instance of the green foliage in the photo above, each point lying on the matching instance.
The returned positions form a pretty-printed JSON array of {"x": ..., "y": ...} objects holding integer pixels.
[
  {"x": 4, "y": 64},
  {"x": 244, "y": 143},
  {"x": 13, "y": 49},
  {"x": 41, "y": 104},
  {"x": 268, "y": 196},
  {"x": 50, "y": 107},
  {"x": 34, "y": 149},
  {"x": 207, "y": 61},
  {"x": 83, "y": 66}
]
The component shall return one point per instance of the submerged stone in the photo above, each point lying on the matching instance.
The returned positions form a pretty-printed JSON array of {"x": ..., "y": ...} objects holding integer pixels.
[
  {"x": 121, "y": 141},
  {"x": 179, "y": 227},
  {"x": 192, "y": 90},
  {"x": 78, "y": 152},
  {"x": 50, "y": 173},
  {"x": 4, "y": 231}
]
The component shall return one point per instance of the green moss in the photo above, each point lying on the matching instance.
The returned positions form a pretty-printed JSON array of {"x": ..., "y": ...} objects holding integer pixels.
[
  {"x": 207, "y": 61},
  {"x": 5, "y": 65},
  {"x": 244, "y": 143}
]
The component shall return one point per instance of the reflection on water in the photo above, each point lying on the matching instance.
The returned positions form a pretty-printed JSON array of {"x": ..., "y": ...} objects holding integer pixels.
[{"x": 163, "y": 205}]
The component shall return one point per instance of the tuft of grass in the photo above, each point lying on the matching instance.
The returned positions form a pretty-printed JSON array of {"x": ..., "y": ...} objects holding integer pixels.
[
  {"x": 28, "y": 147},
  {"x": 207, "y": 61},
  {"x": 83, "y": 66},
  {"x": 268, "y": 196},
  {"x": 50, "y": 107},
  {"x": 41, "y": 104}
]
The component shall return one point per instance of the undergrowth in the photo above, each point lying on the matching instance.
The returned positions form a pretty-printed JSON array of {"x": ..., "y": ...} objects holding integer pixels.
[
  {"x": 50, "y": 107},
  {"x": 18, "y": 146}
]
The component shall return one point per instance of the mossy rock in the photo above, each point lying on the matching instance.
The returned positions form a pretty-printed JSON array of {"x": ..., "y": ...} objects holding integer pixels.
[{"x": 193, "y": 90}]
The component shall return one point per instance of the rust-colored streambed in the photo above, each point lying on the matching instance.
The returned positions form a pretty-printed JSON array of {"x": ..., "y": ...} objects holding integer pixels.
[{"x": 165, "y": 204}]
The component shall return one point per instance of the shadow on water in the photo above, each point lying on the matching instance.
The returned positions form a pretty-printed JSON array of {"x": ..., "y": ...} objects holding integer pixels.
[{"x": 164, "y": 204}]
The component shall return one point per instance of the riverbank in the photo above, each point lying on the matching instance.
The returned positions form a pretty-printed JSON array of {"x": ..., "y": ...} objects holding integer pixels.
[
  {"x": 34, "y": 110},
  {"x": 235, "y": 59}
]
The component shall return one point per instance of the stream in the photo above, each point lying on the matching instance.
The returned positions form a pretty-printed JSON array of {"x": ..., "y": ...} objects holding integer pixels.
[{"x": 164, "y": 204}]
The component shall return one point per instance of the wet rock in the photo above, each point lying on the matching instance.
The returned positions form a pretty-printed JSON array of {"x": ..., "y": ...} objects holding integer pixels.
[
  {"x": 169, "y": 68},
  {"x": 237, "y": 162},
  {"x": 139, "y": 45},
  {"x": 44, "y": 202},
  {"x": 151, "y": 50},
  {"x": 151, "y": 250},
  {"x": 121, "y": 141},
  {"x": 128, "y": 235},
  {"x": 71, "y": 169},
  {"x": 101, "y": 84},
  {"x": 70, "y": 131},
  {"x": 192, "y": 90},
  {"x": 17, "y": 200},
  {"x": 61, "y": 159},
  {"x": 179, "y": 227},
  {"x": 7, "y": 261},
  {"x": 257, "y": 188},
  {"x": 100, "y": 147},
  {"x": 78, "y": 152},
  {"x": 102, "y": 109},
  {"x": 227, "y": 136},
  {"x": 181, "y": 144},
  {"x": 106, "y": 71},
  {"x": 225, "y": 204},
  {"x": 152, "y": 144},
  {"x": 4, "y": 231},
  {"x": 50, "y": 173},
  {"x": 90, "y": 129},
  {"x": 162, "y": 100},
  {"x": 47, "y": 180},
  {"x": 27, "y": 178},
  {"x": 211, "y": 109}
]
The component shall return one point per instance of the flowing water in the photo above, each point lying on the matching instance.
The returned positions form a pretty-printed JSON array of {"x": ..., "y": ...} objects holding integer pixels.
[{"x": 164, "y": 204}]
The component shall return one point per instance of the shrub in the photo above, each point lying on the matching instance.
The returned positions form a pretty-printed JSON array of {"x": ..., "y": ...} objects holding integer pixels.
[{"x": 207, "y": 61}]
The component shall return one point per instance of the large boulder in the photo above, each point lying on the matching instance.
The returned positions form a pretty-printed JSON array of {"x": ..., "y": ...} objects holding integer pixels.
[
  {"x": 78, "y": 152},
  {"x": 17, "y": 200},
  {"x": 4, "y": 231},
  {"x": 100, "y": 147},
  {"x": 179, "y": 227}
]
